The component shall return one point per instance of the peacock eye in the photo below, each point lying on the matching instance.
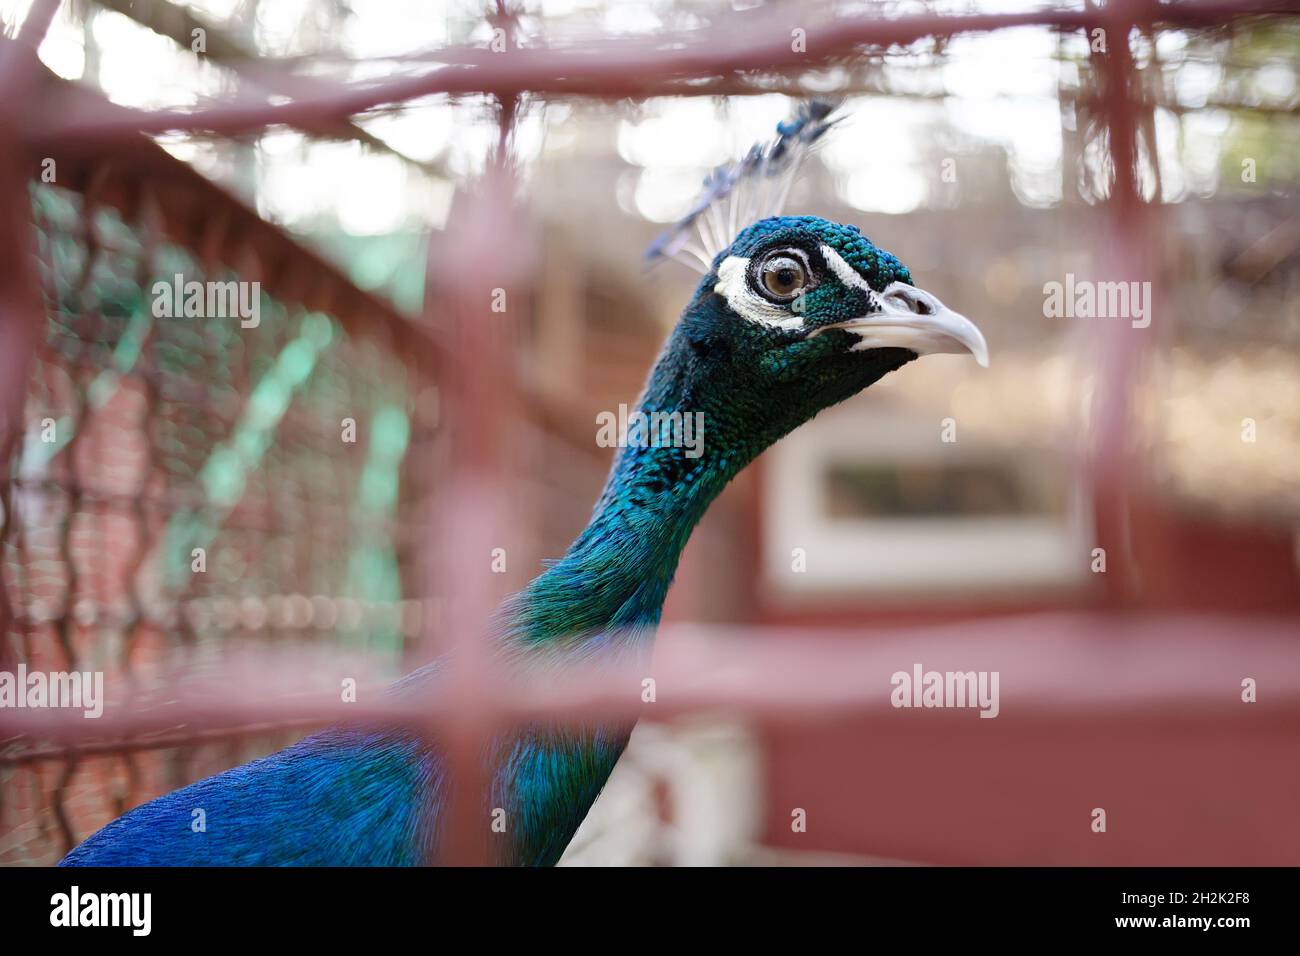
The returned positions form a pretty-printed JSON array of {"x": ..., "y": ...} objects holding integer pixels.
[{"x": 782, "y": 276}]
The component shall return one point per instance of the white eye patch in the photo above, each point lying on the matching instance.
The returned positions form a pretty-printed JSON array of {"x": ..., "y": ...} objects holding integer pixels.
[{"x": 733, "y": 285}]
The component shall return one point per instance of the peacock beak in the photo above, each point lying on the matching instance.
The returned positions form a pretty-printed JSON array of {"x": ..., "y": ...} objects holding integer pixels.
[{"x": 912, "y": 318}]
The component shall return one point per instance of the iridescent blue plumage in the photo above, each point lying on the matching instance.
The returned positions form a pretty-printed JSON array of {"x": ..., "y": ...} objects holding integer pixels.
[{"x": 774, "y": 333}]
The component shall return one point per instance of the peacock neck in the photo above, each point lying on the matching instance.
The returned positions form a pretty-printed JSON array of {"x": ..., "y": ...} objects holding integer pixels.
[{"x": 610, "y": 585}]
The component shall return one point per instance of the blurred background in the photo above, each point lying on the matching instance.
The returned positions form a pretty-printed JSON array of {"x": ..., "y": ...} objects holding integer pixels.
[{"x": 980, "y": 160}]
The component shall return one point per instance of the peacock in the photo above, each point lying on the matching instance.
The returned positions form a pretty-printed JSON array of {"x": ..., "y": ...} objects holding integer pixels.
[{"x": 793, "y": 314}]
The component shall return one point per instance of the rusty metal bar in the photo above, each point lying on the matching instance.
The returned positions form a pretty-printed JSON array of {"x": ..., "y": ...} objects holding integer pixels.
[
  {"x": 22, "y": 312},
  {"x": 1157, "y": 663},
  {"x": 612, "y": 70}
]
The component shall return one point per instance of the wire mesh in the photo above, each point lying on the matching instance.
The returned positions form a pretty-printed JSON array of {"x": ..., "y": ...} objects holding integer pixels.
[{"x": 155, "y": 443}]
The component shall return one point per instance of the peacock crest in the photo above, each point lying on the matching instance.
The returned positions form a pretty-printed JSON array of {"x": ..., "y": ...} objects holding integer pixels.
[{"x": 742, "y": 192}]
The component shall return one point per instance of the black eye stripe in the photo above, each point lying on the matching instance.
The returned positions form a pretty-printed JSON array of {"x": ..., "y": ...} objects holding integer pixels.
[{"x": 817, "y": 261}]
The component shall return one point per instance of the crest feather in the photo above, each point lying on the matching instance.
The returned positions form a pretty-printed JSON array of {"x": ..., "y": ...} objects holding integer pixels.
[{"x": 743, "y": 192}]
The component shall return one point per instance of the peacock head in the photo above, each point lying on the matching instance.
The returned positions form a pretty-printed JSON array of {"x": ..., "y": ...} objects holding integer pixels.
[
  {"x": 799, "y": 313},
  {"x": 795, "y": 313},
  {"x": 800, "y": 280}
]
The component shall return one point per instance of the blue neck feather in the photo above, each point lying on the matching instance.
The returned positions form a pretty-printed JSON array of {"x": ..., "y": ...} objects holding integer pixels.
[{"x": 612, "y": 581}]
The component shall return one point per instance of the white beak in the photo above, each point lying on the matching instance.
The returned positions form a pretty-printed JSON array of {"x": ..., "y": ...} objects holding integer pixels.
[{"x": 911, "y": 318}]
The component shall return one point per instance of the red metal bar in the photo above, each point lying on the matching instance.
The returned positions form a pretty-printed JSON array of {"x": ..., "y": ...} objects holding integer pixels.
[
  {"x": 22, "y": 313},
  {"x": 1152, "y": 664},
  {"x": 1110, "y": 462},
  {"x": 613, "y": 70},
  {"x": 475, "y": 284}
]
